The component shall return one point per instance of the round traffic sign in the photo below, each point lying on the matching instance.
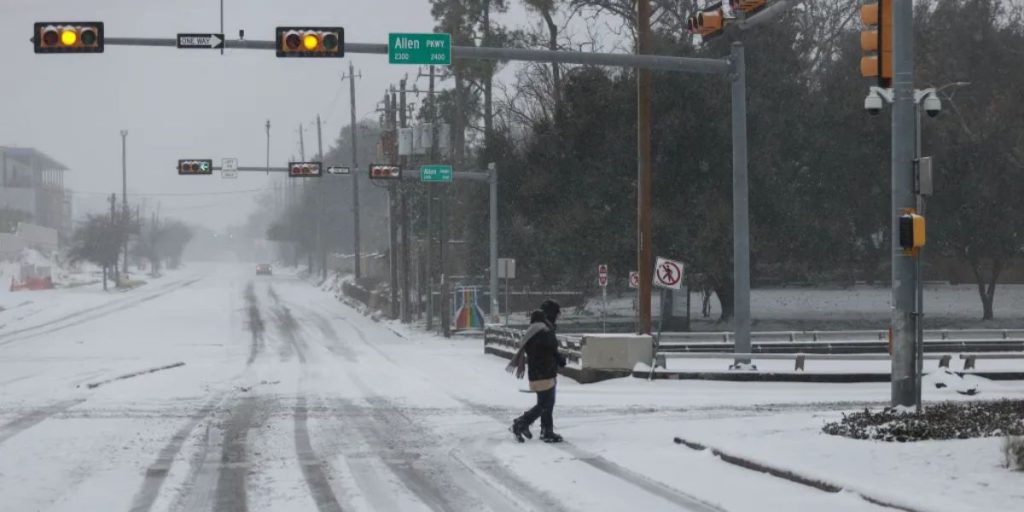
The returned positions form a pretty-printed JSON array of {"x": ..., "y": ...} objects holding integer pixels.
[
  {"x": 634, "y": 279},
  {"x": 668, "y": 273}
]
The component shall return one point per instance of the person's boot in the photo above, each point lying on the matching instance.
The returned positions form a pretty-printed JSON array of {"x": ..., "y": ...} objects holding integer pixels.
[
  {"x": 517, "y": 430},
  {"x": 549, "y": 436},
  {"x": 525, "y": 429}
]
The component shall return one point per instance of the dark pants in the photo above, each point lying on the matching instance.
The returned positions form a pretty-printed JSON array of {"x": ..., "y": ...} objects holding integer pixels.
[{"x": 545, "y": 406}]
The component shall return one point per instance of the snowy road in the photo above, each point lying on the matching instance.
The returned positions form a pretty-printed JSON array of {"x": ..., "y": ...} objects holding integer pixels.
[{"x": 289, "y": 400}]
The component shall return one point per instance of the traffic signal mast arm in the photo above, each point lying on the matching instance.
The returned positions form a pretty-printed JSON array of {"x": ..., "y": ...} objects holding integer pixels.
[
  {"x": 662, "y": 62},
  {"x": 407, "y": 174}
]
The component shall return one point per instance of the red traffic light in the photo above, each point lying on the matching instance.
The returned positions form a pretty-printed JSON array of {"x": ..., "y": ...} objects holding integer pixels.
[
  {"x": 310, "y": 41},
  {"x": 68, "y": 37},
  {"x": 195, "y": 167},
  {"x": 385, "y": 172},
  {"x": 304, "y": 169}
]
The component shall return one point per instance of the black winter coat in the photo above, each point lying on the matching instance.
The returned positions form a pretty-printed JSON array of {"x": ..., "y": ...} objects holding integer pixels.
[{"x": 542, "y": 357}]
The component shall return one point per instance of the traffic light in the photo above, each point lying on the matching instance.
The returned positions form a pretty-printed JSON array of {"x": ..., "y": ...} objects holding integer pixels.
[
  {"x": 304, "y": 169},
  {"x": 747, "y": 6},
  {"x": 190, "y": 167},
  {"x": 707, "y": 24},
  {"x": 912, "y": 232},
  {"x": 310, "y": 42},
  {"x": 876, "y": 41},
  {"x": 385, "y": 172},
  {"x": 68, "y": 37}
]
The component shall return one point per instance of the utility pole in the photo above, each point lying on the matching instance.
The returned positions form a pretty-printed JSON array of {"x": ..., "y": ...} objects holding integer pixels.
[
  {"x": 404, "y": 213},
  {"x": 321, "y": 243},
  {"x": 355, "y": 175},
  {"x": 390, "y": 117},
  {"x": 113, "y": 229},
  {"x": 430, "y": 207},
  {"x": 644, "y": 253},
  {"x": 124, "y": 195},
  {"x": 904, "y": 278},
  {"x": 268, "y": 147}
]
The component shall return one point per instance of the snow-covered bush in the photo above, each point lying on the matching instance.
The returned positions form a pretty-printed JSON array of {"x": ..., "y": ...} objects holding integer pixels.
[{"x": 1013, "y": 449}]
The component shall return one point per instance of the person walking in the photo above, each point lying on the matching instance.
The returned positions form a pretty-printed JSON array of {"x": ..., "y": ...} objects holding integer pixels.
[{"x": 538, "y": 350}]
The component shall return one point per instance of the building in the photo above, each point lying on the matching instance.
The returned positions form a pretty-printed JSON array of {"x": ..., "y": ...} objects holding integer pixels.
[{"x": 32, "y": 190}]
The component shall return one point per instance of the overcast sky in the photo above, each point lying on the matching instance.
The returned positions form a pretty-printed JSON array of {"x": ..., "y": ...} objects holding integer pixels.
[{"x": 188, "y": 103}]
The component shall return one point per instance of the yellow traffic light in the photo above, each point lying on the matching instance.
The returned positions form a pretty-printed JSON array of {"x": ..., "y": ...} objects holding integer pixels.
[
  {"x": 876, "y": 41},
  {"x": 310, "y": 42},
  {"x": 912, "y": 232},
  {"x": 68, "y": 37}
]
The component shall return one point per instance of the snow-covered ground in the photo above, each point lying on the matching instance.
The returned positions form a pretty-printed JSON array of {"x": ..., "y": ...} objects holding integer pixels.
[
  {"x": 288, "y": 400},
  {"x": 857, "y": 307}
]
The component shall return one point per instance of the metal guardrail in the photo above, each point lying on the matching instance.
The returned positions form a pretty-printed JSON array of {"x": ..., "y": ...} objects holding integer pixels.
[
  {"x": 850, "y": 335},
  {"x": 846, "y": 346},
  {"x": 507, "y": 339},
  {"x": 798, "y": 358}
]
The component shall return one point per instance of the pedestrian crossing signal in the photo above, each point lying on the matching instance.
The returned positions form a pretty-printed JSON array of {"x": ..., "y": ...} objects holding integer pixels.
[
  {"x": 195, "y": 167},
  {"x": 912, "y": 232},
  {"x": 68, "y": 37}
]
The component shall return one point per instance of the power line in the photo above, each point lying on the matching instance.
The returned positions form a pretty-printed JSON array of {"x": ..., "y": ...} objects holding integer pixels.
[{"x": 176, "y": 194}]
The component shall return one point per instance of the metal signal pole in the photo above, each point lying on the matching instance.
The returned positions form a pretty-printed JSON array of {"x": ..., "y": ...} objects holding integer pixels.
[{"x": 644, "y": 253}]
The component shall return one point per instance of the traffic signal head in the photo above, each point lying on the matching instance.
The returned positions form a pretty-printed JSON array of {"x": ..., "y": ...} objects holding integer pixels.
[
  {"x": 912, "y": 232},
  {"x": 304, "y": 169},
  {"x": 68, "y": 37},
  {"x": 876, "y": 41},
  {"x": 385, "y": 172},
  {"x": 747, "y": 6},
  {"x": 707, "y": 24},
  {"x": 310, "y": 42},
  {"x": 189, "y": 167}
]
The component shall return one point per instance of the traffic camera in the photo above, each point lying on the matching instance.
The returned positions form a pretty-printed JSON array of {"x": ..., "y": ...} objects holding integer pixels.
[
  {"x": 68, "y": 37},
  {"x": 310, "y": 41}
]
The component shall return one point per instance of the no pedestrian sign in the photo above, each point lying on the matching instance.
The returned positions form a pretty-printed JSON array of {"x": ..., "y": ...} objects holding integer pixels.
[
  {"x": 201, "y": 41},
  {"x": 668, "y": 274}
]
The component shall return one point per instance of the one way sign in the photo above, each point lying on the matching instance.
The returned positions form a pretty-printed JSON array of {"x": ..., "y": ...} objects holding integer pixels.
[{"x": 201, "y": 41}]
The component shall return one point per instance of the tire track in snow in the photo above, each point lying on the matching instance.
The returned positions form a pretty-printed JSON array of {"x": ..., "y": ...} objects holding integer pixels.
[
  {"x": 312, "y": 467},
  {"x": 598, "y": 462},
  {"x": 33, "y": 418},
  {"x": 254, "y": 323},
  {"x": 231, "y": 475},
  {"x": 100, "y": 312},
  {"x": 287, "y": 326},
  {"x": 157, "y": 472}
]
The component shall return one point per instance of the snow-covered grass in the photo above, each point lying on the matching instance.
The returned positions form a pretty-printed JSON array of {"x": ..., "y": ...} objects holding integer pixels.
[{"x": 854, "y": 307}]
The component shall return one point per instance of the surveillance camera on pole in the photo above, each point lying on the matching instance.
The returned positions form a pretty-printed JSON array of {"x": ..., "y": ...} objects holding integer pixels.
[{"x": 932, "y": 105}]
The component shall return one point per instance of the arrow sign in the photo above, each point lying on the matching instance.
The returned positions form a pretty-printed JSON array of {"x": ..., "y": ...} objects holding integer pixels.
[{"x": 201, "y": 41}]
